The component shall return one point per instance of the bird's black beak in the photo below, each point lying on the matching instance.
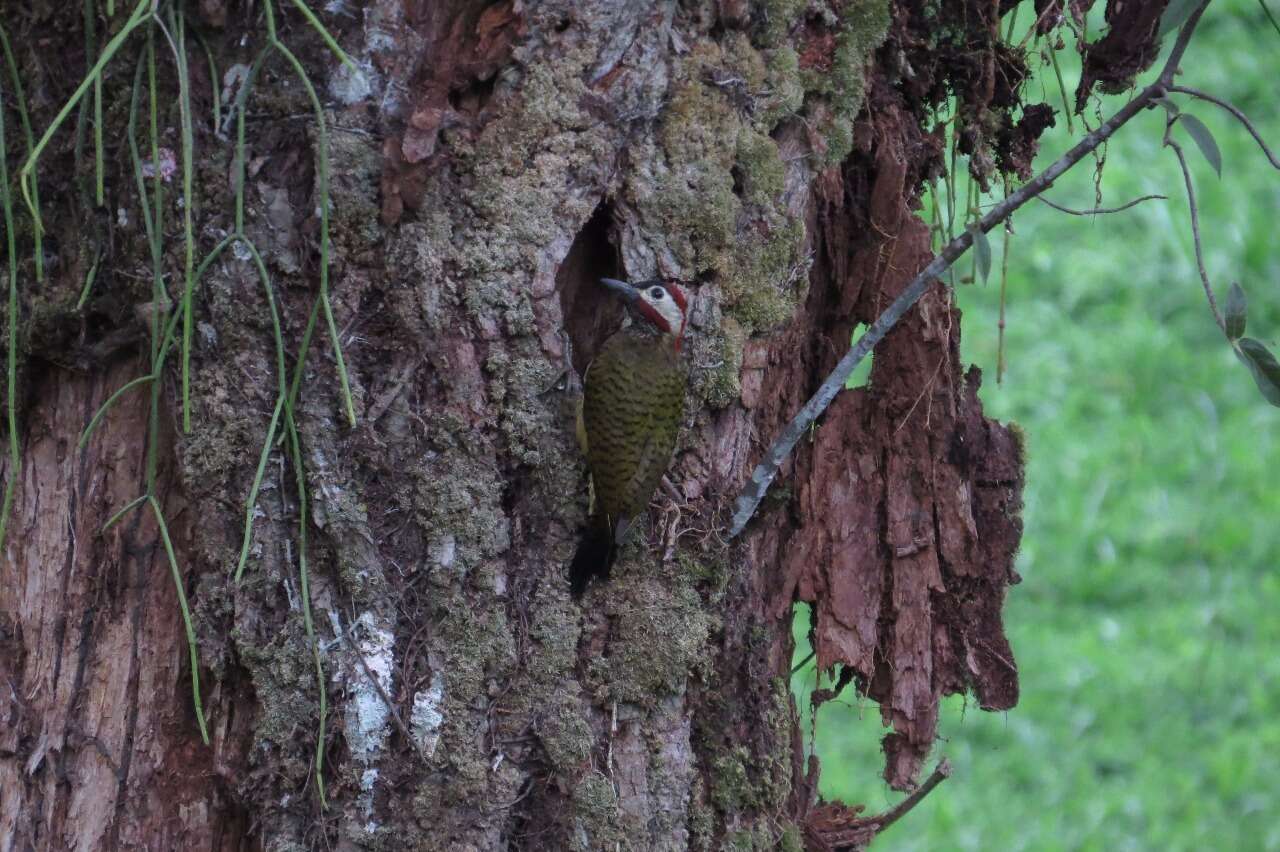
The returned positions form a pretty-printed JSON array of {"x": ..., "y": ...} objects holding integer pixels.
[{"x": 622, "y": 288}]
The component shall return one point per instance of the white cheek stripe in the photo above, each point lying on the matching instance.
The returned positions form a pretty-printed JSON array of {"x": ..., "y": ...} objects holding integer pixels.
[{"x": 669, "y": 310}]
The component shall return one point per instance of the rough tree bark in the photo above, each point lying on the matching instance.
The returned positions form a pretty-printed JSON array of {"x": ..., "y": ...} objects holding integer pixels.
[{"x": 492, "y": 162}]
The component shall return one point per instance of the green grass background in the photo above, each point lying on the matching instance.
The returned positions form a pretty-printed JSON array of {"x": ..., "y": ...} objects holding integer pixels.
[{"x": 1147, "y": 625}]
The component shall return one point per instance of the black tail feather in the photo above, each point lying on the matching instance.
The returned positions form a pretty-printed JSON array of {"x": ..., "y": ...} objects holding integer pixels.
[{"x": 594, "y": 557}]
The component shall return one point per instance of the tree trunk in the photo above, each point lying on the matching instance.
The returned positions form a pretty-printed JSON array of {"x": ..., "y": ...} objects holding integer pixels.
[{"x": 489, "y": 164}]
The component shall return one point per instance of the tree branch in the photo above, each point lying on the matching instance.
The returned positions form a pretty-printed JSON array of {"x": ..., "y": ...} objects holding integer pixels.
[
  {"x": 762, "y": 477},
  {"x": 1235, "y": 111},
  {"x": 939, "y": 774}
]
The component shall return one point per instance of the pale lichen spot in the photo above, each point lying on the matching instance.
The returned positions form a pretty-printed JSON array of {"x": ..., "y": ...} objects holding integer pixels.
[{"x": 426, "y": 718}]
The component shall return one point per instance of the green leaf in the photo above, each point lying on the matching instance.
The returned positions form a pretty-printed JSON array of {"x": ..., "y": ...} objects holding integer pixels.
[
  {"x": 1204, "y": 140},
  {"x": 1174, "y": 14},
  {"x": 1168, "y": 104},
  {"x": 1263, "y": 365},
  {"x": 1236, "y": 307},
  {"x": 983, "y": 248}
]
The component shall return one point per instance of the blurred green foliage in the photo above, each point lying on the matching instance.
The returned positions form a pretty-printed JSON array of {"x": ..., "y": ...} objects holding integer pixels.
[{"x": 1147, "y": 626}]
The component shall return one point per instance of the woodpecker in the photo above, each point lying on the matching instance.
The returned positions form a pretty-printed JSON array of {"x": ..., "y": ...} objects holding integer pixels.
[{"x": 632, "y": 405}]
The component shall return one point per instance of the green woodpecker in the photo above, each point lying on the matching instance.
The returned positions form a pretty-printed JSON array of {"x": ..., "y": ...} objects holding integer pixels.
[{"x": 632, "y": 405}]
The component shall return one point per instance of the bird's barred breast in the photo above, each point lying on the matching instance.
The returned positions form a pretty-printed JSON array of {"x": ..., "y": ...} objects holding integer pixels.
[{"x": 632, "y": 409}]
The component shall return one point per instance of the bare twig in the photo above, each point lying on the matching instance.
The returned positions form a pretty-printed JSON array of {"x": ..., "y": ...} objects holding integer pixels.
[
  {"x": 1235, "y": 111},
  {"x": 1098, "y": 211},
  {"x": 1195, "y": 231},
  {"x": 940, "y": 773},
  {"x": 842, "y": 833},
  {"x": 762, "y": 477}
]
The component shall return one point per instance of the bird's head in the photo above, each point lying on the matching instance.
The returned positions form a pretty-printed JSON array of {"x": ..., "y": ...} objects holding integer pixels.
[{"x": 660, "y": 304}]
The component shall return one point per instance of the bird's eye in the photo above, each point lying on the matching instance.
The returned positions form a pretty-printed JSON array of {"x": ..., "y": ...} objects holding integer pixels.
[{"x": 657, "y": 293}]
